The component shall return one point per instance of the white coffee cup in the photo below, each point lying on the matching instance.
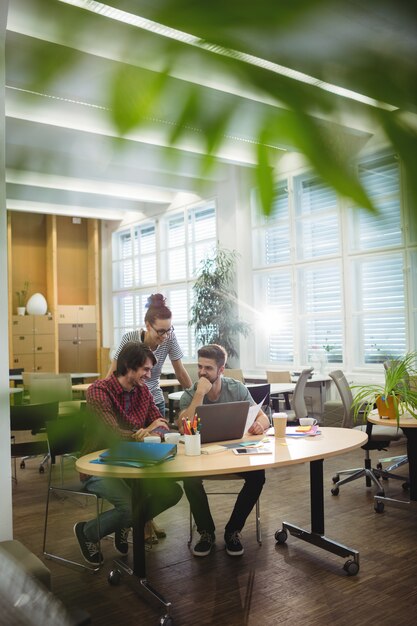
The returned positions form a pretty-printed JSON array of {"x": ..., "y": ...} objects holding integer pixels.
[
  {"x": 172, "y": 438},
  {"x": 152, "y": 439},
  {"x": 307, "y": 421},
  {"x": 192, "y": 444}
]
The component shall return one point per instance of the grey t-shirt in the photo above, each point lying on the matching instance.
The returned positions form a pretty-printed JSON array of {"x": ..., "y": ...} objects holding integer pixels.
[{"x": 232, "y": 391}]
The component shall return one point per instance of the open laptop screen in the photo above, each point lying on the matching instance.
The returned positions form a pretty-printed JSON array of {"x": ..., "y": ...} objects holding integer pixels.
[{"x": 222, "y": 421}]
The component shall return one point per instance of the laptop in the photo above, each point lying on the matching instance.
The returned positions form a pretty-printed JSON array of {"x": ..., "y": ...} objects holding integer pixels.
[{"x": 223, "y": 421}]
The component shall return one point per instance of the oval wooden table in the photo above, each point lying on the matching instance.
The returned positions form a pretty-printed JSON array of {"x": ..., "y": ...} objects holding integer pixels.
[
  {"x": 289, "y": 451},
  {"x": 408, "y": 425}
]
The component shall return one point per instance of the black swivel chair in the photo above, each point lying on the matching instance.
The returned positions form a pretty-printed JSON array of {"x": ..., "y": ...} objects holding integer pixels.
[{"x": 31, "y": 417}]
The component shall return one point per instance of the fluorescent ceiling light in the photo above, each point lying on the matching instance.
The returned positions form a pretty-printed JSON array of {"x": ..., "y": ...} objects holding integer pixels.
[{"x": 165, "y": 31}]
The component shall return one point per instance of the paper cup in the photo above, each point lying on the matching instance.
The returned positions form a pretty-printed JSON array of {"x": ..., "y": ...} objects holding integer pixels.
[
  {"x": 280, "y": 424},
  {"x": 307, "y": 421},
  {"x": 172, "y": 438},
  {"x": 192, "y": 444}
]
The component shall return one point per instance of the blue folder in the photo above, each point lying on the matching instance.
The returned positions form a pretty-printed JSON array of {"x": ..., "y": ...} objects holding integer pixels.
[{"x": 138, "y": 454}]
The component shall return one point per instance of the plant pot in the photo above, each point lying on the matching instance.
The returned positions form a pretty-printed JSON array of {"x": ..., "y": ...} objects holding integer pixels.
[
  {"x": 387, "y": 407},
  {"x": 21, "y": 310}
]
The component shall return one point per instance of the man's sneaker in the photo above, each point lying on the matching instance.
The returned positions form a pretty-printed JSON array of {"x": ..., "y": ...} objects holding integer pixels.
[
  {"x": 120, "y": 540},
  {"x": 204, "y": 545},
  {"x": 89, "y": 550},
  {"x": 233, "y": 544}
]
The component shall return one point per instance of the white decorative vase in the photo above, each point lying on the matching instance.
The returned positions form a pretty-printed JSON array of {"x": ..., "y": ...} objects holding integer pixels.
[
  {"x": 21, "y": 310},
  {"x": 37, "y": 305}
]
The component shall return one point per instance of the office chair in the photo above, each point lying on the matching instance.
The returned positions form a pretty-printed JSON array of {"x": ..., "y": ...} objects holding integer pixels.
[
  {"x": 30, "y": 417},
  {"x": 46, "y": 387},
  {"x": 279, "y": 377},
  {"x": 379, "y": 439},
  {"x": 65, "y": 437},
  {"x": 237, "y": 374},
  {"x": 299, "y": 408},
  {"x": 228, "y": 493},
  {"x": 192, "y": 369}
]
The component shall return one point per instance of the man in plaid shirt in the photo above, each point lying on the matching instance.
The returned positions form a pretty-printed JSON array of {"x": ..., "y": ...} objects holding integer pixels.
[{"x": 121, "y": 407}]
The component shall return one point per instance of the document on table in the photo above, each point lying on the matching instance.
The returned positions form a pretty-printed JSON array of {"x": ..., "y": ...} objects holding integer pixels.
[{"x": 252, "y": 413}]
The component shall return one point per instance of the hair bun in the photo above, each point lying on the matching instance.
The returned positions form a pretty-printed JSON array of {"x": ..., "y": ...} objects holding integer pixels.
[{"x": 156, "y": 300}]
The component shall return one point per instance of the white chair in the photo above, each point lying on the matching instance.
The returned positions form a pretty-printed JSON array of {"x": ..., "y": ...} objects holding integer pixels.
[
  {"x": 237, "y": 374},
  {"x": 273, "y": 376},
  {"x": 192, "y": 369}
]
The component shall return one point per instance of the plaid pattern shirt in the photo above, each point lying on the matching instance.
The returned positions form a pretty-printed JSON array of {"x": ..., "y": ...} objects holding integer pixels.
[{"x": 120, "y": 413}]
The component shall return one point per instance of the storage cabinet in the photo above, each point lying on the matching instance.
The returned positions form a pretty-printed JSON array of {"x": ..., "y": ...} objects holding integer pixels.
[
  {"x": 77, "y": 338},
  {"x": 59, "y": 258},
  {"x": 33, "y": 343}
]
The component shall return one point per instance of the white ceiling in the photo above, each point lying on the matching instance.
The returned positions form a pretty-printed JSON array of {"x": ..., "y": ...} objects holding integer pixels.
[{"x": 63, "y": 155}]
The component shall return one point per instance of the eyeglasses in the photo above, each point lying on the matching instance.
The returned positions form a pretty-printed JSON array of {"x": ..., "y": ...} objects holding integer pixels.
[{"x": 162, "y": 332}]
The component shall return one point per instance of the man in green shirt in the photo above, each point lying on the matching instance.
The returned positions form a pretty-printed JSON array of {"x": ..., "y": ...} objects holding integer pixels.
[{"x": 212, "y": 388}]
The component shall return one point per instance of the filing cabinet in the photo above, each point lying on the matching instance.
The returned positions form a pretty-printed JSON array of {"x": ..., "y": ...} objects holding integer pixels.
[
  {"x": 77, "y": 338},
  {"x": 33, "y": 342}
]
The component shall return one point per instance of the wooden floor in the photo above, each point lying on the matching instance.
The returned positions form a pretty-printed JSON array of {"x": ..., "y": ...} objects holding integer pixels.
[{"x": 293, "y": 584}]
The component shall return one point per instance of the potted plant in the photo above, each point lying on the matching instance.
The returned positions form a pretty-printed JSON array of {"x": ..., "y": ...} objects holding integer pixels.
[
  {"x": 215, "y": 313},
  {"x": 397, "y": 395},
  {"x": 21, "y": 298}
]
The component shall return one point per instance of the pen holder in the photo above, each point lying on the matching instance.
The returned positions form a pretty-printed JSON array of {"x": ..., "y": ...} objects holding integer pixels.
[{"x": 192, "y": 444}]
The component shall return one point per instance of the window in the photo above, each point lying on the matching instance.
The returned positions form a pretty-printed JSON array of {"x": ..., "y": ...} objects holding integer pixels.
[
  {"x": 183, "y": 238},
  {"x": 378, "y": 289},
  {"x": 308, "y": 321},
  {"x": 342, "y": 292}
]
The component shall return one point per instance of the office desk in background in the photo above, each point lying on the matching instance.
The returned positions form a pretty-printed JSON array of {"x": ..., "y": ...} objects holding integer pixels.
[
  {"x": 408, "y": 425},
  {"x": 75, "y": 377},
  {"x": 332, "y": 442},
  {"x": 165, "y": 383}
]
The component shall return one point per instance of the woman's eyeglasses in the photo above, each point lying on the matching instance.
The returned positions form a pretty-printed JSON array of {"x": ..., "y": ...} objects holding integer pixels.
[{"x": 162, "y": 332}]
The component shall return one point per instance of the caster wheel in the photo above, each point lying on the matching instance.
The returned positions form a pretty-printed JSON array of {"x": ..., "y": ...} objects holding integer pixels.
[
  {"x": 351, "y": 568},
  {"x": 41, "y": 470},
  {"x": 335, "y": 491},
  {"x": 166, "y": 620},
  {"x": 114, "y": 577},
  {"x": 379, "y": 507},
  {"x": 22, "y": 465},
  {"x": 379, "y": 466},
  {"x": 336, "y": 478},
  {"x": 281, "y": 536},
  {"x": 406, "y": 486}
]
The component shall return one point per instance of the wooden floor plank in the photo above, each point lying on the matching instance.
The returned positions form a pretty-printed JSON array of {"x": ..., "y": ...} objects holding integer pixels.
[{"x": 295, "y": 583}]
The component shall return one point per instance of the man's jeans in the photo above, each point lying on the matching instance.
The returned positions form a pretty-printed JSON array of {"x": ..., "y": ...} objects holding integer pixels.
[
  {"x": 163, "y": 493},
  {"x": 246, "y": 500}
]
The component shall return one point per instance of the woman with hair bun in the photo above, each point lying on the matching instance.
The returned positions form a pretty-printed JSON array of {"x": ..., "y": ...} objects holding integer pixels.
[{"x": 159, "y": 336}]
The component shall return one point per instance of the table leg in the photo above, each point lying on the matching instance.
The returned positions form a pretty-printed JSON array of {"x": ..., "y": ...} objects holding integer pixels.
[
  {"x": 137, "y": 575},
  {"x": 411, "y": 434},
  {"x": 316, "y": 536}
]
